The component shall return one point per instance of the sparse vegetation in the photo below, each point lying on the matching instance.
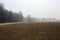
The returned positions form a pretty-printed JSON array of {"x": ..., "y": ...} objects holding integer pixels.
[{"x": 30, "y": 31}]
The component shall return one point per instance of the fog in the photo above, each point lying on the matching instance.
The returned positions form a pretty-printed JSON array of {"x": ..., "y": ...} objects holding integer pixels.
[{"x": 36, "y": 8}]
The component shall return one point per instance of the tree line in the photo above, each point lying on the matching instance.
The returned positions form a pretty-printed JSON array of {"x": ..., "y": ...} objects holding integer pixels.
[{"x": 9, "y": 16}]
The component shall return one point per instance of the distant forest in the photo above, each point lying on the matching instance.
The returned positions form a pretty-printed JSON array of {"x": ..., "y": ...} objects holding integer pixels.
[{"x": 10, "y": 16}]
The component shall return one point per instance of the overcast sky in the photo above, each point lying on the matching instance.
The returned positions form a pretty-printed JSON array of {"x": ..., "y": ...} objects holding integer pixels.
[{"x": 37, "y": 8}]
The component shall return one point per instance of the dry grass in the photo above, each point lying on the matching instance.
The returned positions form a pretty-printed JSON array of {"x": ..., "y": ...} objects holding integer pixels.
[{"x": 30, "y": 31}]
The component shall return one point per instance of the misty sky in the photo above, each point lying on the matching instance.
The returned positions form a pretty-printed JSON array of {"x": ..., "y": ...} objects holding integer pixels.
[{"x": 37, "y": 8}]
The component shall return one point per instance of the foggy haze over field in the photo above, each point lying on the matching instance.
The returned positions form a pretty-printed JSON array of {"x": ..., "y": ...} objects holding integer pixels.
[
  {"x": 36, "y": 8},
  {"x": 29, "y": 19}
]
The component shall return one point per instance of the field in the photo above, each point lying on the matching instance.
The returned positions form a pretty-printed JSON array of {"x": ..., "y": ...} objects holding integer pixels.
[{"x": 30, "y": 31}]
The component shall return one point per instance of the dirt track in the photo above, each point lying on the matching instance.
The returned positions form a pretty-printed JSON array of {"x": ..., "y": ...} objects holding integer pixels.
[{"x": 30, "y": 31}]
